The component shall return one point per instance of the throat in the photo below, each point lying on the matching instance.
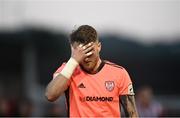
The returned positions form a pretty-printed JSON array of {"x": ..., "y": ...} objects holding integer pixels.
[{"x": 96, "y": 69}]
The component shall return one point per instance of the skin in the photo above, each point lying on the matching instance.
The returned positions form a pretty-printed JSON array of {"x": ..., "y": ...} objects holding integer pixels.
[
  {"x": 87, "y": 55},
  {"x": 89, "y": 60},
  {"x": 128, "y": 103},
  {"x": 84, "y": 55}
]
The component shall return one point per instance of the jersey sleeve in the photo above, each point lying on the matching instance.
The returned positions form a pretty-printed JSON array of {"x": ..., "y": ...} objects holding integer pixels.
[
  {"x": 125, "y": 87},
  {"x": 58, "y": 70}
]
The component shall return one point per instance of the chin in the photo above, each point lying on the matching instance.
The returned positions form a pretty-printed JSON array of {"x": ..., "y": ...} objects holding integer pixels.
[{"x": 88, "y": 68}]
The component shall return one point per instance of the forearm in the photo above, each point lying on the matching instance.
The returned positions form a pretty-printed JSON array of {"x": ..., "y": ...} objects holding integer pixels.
[
  {"x": 56, "y": 87},
  {"x": 128, "y": 103}
]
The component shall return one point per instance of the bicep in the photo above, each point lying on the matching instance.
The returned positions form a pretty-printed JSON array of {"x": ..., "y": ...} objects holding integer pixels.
[{"x": 129, "y": 106}]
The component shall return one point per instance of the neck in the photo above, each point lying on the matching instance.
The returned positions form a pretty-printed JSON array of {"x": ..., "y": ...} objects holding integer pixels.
[
  {"x": 97, "y": 65},
  {"x": 95, "y": 69}
]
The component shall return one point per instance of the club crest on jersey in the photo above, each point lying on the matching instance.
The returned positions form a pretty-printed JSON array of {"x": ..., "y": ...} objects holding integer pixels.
[{"x": 109, "y": 85}]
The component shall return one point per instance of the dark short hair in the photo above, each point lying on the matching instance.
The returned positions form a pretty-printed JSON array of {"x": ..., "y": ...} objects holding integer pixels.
[{"x": 84, "y": 34}]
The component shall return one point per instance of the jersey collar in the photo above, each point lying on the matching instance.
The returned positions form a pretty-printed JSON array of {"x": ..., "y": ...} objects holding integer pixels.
[{"x": 98, "y": 69}]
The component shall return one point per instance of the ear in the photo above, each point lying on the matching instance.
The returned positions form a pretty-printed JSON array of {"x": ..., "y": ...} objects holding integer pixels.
[{"x": 99, "y": 46}]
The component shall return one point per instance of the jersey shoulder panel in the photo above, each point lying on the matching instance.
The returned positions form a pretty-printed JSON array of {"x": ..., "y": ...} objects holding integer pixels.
[
  {"x": 60, "y": 67},
  {"x": 113, "y": 64},
  {"x": 58, "y": 70}
]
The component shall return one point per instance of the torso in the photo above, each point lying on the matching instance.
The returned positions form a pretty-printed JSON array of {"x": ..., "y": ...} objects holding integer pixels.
[{"x": 95, "y": 94}]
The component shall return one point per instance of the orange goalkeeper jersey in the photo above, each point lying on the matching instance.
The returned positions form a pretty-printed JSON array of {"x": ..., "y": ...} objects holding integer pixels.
[{"x": 97, "y": 95}]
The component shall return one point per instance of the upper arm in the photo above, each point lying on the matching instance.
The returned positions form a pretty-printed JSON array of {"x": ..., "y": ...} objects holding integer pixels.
[
  {"x": 125, "y": 83},
  {"x": 129, "y": 105},
  {"x": 127, "y": 94}
]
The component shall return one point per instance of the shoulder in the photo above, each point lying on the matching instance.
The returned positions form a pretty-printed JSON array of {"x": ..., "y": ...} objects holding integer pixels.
[{"x": 113, "y": 65}]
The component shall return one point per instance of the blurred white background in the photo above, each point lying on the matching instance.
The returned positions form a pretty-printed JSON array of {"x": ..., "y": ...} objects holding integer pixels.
[
  {"x": 148, "y": 19},
  {"x": 33, "y": 44}
]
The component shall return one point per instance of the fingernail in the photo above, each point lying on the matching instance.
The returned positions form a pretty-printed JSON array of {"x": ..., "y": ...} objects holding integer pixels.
[
  {"x": 80, "y": 45},
  {"x": 84, "y": 47},
  {"x": 89, "y": 53},
  {"x": 89, "y": 44}
]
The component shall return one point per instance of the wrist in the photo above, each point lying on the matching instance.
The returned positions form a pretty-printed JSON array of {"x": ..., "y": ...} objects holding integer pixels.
[
  {"x": 69, "y": 68},
  {"x": 75, "y": 59}
]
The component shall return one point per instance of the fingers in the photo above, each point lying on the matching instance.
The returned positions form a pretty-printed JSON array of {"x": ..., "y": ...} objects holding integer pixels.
[
  {"x": 87, "y": 45},
  {"x": 81, "y": 51},
  {"x": 89, "y": 54},
  {"x": 80, "y": 45},
  {"x": 89, "y": 49}
]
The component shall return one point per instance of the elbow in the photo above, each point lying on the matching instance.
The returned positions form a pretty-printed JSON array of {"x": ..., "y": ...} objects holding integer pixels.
[{"x": 49, "y": 97}]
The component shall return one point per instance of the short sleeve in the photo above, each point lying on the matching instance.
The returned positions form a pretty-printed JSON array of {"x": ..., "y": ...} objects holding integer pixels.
[
  {"x": 125, "y": 87},
  {"x": 58, "y": 70}
]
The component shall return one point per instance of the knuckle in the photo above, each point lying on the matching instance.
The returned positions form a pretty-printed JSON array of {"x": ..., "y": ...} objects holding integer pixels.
[{"x": 84, "y": 47}]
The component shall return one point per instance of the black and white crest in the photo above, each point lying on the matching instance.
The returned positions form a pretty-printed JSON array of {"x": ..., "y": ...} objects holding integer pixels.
[{"x": 109, "y": 85}]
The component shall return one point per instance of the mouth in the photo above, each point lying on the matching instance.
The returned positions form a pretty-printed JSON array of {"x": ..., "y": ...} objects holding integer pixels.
[{"x": 88, "y": 61}]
